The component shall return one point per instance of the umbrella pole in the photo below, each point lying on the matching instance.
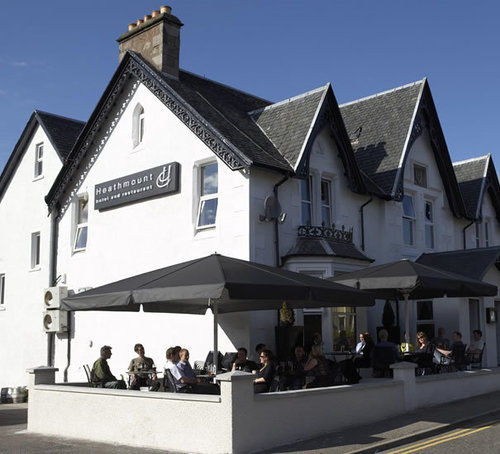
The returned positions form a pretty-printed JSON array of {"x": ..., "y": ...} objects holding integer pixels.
[
  {"x": 407, "y": 323},
  {"x": 215, "y": 312}
]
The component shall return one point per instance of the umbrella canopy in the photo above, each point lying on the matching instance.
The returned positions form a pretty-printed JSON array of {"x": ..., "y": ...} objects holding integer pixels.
[
  {"x": 396, "y": 279},
  {"x": 233, "y": 285}
]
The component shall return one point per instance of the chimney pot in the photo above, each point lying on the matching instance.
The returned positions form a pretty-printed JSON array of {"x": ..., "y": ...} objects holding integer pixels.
[
  {"x": 131, "y": 26},
  {"x": 165, "y": 9},
  {"x": 155, "y": 13},
  {"x": 147, "y": 17},
  {"x": 139, "y": 21}
]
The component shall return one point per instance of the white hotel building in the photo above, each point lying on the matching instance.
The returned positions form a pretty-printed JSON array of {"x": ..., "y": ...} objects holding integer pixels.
[{"x": 172, "y": 166}]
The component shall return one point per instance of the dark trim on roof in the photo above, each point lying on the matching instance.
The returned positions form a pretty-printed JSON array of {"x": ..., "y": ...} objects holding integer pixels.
[
  {"x": 492, "y": 186},
  {"x": 132, "y": 65},
  {"x": 427, "y": 117},
  {"x": 329, "y": 116}
]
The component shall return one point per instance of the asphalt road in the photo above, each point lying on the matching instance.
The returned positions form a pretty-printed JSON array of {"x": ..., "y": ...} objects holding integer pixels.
[{"x": 481, "y": 436}]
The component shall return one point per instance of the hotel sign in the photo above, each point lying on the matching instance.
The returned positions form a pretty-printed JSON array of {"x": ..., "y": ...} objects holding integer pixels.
[{"x": 141, "y": 185}]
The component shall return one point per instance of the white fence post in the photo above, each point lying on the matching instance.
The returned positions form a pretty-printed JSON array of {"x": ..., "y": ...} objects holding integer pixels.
[{"x": 405, "y": 372}]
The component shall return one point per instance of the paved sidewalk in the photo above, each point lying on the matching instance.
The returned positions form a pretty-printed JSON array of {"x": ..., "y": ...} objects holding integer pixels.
[
  {"x": 370, "y": 438},
  {"x": 378, "y": 436}
]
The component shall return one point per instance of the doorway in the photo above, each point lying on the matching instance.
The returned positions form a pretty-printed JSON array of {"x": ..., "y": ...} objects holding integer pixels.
[
  {"x": 312, "y": 326},
  {"x": 474, "y": 317}
]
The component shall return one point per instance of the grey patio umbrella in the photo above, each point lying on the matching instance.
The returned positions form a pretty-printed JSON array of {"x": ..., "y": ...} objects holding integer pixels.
[
  {"x": 405, "y": 280},
  {"x": 223, "y": 284}
]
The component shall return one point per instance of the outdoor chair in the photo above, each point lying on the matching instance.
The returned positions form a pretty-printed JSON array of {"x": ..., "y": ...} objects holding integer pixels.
[
  {"x": 383, "y": 357},
  {"x": 476, "y": 359},
  {"x": 228, "y": 360},
  {"x": 425, "y": 364},
  {"x": 169, "y": 384},
  {"x": 199, "y": 366},
  {"x": 86, "y": 368}
]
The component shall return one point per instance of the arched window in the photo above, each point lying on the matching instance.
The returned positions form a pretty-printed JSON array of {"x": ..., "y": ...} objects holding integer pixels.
[{"x": 138, "y": 125}]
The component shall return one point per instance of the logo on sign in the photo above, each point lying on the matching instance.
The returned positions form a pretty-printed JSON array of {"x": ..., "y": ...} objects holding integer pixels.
[{"x": 164, "y": 179}]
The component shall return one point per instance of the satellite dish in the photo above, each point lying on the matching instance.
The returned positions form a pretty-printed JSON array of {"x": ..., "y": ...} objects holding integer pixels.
[{"x": 272, "y": 209}]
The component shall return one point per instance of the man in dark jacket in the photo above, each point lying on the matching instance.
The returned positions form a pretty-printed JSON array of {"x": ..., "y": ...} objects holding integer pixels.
[{"x": 101, "y": 375}]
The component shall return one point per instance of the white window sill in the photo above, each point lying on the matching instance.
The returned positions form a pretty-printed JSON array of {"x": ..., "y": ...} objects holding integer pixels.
[
  {"x": 204, "y": 228},
  {"x": 77, "y": 251},
  {"x": 40, "y": 177},
  {"x": 37, "y": 268},
  {"x": 137, "y": 148},
  {"x": 2, "y": 308}
]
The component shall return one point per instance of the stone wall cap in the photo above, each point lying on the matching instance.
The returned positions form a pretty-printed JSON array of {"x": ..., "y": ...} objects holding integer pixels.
[
  {"x": 34, "y": 370},
  {"x": 235, "y": 375},
  {"x": 403, "y": 365}
]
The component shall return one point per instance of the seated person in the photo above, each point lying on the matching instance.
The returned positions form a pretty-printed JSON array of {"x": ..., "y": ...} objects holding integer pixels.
[
  {"x": 457, "y": 350},
  {"x": 296, "y": 377},
  {"x": 258, "y": 350},
  {"x": 441, "y": 340},
  {"x": 101, "y": 375},
  {"x": 384, "y": 354},
  {"x": 318, "y": 366},
  {"x": 476, "y": 347},
  {"x": 424, "y": 354},
  {"x": 183, "y": 364},
  {"x": 403, "y": 347},
  {"x": 242, "y": 362},
  {"x": 363, "y": 350},
  {"x": 142, "y": 363},
  {"x": 265, "y": 375},
  {"x": 182, "y": 382}
]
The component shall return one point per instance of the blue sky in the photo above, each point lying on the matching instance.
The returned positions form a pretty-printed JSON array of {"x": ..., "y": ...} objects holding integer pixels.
[{"x": 58, "y": 56}]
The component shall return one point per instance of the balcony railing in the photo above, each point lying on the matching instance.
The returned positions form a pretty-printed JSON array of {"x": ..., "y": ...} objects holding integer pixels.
[{"x": 342, "y": 235}]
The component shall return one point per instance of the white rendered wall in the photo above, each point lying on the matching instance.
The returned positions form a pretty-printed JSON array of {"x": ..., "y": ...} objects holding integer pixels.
[
  {"x": 23, "y": 211},
  {"x": 151, "y": 234}
]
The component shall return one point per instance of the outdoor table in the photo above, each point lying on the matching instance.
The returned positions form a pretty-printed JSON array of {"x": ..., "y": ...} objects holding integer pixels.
[
  {"x": 346, "y": 354},
  {"x": 143, "y": 372}
]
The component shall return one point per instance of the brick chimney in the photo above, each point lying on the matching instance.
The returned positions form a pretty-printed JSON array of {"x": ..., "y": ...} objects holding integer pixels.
[{"x": 157, "y": 38}]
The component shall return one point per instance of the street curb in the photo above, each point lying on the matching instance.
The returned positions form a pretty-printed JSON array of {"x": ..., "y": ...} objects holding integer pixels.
[{"x": 417, "y": 436}]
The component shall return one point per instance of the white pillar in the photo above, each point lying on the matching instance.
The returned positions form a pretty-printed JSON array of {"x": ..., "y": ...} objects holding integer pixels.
[{"x": 406, "y": 373}]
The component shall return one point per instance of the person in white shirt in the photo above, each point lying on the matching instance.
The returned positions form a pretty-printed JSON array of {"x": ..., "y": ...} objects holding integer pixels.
[{"x": 478, "y": 344}]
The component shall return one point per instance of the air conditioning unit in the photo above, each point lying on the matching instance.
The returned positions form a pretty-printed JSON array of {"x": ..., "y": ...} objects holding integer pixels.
[
  {"x": 52, "y": 297},
  {"x": 55, "y": 321}
]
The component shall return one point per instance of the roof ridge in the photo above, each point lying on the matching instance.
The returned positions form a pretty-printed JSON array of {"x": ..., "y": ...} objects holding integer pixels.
[
  {"x": 43, "y": 112},
  {"x": 288, "y": 100},
  {"x": 465, "y": 161},
  {"x": 224, "y": 85},
  {"x": 382, "y": 93}
]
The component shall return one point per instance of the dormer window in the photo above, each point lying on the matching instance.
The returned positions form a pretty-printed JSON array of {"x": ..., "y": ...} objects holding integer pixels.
[
  {"x": 38, "y": 160},
  {"x": 138, "y": 125},
  {"x": 420, "y": 175},
  {"x": 81, "y": 223}
]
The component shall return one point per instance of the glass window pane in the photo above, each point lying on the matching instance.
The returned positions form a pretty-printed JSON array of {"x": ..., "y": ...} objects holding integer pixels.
[
  {"x": 209, "y": 179},
  {"x": 325, "y": 192},
  {"x": 305, "y": 190},
  {"x": 429, "y": 236},
  {"x": 325, "y": 216},
  {"x": 408, "y": 210},
  {"x": 81, "y": 238},
  {"x": 306, "y": 213},
  {"x": 83, "y": 213},
  {"x": 428, "y": 211},
  {"x": 2, "y": 288},
  {"x": 425, "y": 310},
  {"x": 407, "y": 231},
  {"x": 208, "y": 212}
]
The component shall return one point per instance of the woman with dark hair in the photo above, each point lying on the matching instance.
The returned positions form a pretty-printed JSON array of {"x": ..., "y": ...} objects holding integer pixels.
[
  {"x": 424, "y": 354},
  {"x": 266, "y": 373},
  {"x": 317, "y": 365}
]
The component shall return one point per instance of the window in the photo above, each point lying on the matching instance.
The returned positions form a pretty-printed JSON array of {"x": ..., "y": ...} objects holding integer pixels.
[
  {"x": 35, "y": 250},
  {"x": 344, "y": 327},
  {"x": 2, "y": 289},
  {"x": 207, "y": 209},
  {"x": 429, "y": 225},
  {"x": 425, "y": 318},
  {"x": 81, "y": 218},
  {"x": 420, "y": 175},
  {"x": 138, "y": 123},
  {"x": 326, "y": 205},
  {"x": 306, "y": 204},
  {"x": 38, "y": 160},
  {"x": 408, "y": 220},
  {"x": 486, "y": 235}
]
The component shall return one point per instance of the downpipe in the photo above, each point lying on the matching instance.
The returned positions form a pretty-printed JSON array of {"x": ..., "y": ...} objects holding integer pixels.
[
  {"x": 463, "y": 231},
  {"x": 361, "y": 211}
]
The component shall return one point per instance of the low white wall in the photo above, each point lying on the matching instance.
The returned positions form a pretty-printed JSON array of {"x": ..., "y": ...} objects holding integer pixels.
[
  {"x": 442, "y": 388},
  {"x": 274, "y": 419},
  {"x": 177, "y": 422}
]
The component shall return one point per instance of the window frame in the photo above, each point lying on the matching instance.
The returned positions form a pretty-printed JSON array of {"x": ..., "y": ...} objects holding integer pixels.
[
  {"x": 80, "y": 226},
  {"x": 418, "y": 167},
  {"x": 477, "y": 235},
  {"x": 309, "y": 203},
  {"x": 486, "y": 235},
  {"x": 328, "y": 206},
  {"x": 410, "y": 220},
  {"x": 203, "y": 198},
  {"x": 36, "y": 247},
  {"x": 429, "y": 224},
  {"x": 39, "y": 150},
  {"x": 138, "y": 126},
  {"x": 2, "y": 289}
]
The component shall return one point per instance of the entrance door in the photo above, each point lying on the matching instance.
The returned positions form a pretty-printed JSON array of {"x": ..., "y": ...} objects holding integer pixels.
[
  {"x": 474, "y": 321},
  {"x": 497, "y": 307}
]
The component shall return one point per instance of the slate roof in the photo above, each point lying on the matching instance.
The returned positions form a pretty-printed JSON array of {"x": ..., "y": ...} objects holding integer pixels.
[
  {"x": 305, "y": 246},
  {"x": 61, "y": 131},
  {"x": 385, "y": 121},
  {"x": 470, "y": 176},
  {"x": 288, "y": 123},
  {"x": 472, "y": 263}
]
